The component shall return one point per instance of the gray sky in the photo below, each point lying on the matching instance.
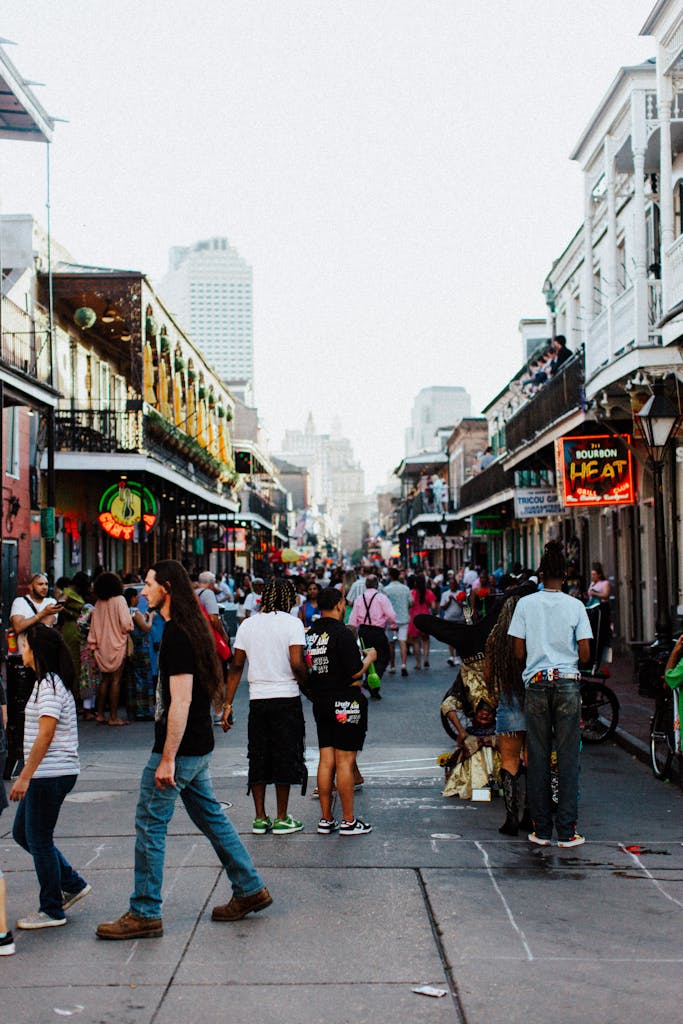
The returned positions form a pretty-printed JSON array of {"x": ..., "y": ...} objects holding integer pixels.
[{"x": 396, "y": 172}]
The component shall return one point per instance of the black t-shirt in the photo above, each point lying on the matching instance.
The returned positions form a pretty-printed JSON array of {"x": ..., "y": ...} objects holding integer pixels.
[
  {"x": 333, "y": 656},
  {"x": 177, "y": 658}
]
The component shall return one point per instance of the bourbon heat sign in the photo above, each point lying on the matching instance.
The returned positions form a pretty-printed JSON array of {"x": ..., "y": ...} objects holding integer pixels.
[{"x": 595, "y": 471}]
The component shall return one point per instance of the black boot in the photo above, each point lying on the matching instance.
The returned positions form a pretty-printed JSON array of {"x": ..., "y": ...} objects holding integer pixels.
[{"x": 510, "y": 795}]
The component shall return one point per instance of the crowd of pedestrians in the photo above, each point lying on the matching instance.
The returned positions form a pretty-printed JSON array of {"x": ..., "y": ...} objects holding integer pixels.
[{"x": 161, "y": 649}]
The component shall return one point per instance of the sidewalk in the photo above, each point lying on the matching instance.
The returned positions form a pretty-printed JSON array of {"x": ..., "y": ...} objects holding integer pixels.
[{"x": 633, "y": 733}]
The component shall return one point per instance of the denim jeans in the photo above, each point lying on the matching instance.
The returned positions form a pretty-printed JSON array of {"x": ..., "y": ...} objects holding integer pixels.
[
  {"x": 553, "y": 712},
  {"x": 154, "y": 812},
  {"x": 33, "y": 829}
]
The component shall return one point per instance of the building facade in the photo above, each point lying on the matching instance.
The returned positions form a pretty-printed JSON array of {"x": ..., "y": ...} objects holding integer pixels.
[{"x": 433, "y": 409}]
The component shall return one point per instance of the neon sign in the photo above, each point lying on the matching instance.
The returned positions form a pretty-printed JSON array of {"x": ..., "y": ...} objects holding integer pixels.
[
  {"x": 595, "y": 471},
  {"x": 124, "y": 505}
]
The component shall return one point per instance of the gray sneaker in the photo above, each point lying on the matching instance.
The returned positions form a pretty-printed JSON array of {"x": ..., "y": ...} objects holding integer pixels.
[
  {"x": 69, "y": 898},
  {"x": 39, "y": 920}
]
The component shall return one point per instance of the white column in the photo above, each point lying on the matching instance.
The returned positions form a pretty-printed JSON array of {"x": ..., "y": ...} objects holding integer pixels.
[
  {"x": 638, "y": 145},
  {"x": 610, "y": 265},
  {"x": 587, "y": 276},
  {"x": 666, "y": 199}
]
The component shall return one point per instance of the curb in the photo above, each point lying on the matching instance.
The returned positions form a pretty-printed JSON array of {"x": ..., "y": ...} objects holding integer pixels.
[{"x": 632, "y": 745}]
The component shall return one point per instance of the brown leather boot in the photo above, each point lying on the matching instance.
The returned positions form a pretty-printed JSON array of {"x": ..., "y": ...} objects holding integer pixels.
[
  {"x": 240, "y": 906},
  {"x": 129, "y": 926}
]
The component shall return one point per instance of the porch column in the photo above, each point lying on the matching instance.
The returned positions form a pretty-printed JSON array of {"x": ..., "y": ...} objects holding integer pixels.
[
  {"x": 587, "y": 276},
  {"x": 610, "y": 276},
  {"x": 666, "y": 199},
  {"x": 638, "y": 145}
]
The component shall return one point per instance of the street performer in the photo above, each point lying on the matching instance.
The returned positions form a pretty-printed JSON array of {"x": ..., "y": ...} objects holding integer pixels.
[{"x": 190, "y": 678}]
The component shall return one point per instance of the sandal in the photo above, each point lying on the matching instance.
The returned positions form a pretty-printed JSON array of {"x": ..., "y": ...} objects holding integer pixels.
[{"x": 117, "y": 721}]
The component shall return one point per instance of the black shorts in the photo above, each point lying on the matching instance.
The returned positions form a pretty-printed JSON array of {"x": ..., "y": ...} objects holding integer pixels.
[
  {"x": 342, "y": 719},
  {"x": 277, "y": 743}
]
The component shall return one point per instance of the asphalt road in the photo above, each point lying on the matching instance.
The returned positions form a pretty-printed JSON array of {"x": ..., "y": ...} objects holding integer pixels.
[{"x": 434, "y": 896}]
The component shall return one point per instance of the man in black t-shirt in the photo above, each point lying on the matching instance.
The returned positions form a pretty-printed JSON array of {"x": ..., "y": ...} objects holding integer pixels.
[
  {"x": 189, "y": 678},
  {"x": 340, "y": 709}
]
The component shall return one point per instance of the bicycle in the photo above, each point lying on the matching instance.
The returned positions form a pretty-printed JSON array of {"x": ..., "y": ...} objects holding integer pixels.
[
  {"x": 599, "y": 711},
  {"x": 665, "y": 732}
]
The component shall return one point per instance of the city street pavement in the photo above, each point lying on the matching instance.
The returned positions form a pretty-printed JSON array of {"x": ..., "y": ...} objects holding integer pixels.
[{"x": 434, "y": 896}]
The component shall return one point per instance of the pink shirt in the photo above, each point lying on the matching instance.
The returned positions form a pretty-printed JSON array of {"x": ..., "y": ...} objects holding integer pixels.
[
  {"x": 110, "y": 624},
  {"x": 380, "y": 610}
]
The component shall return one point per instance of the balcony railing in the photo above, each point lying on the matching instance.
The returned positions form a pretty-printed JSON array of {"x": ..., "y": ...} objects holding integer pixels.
[
  {"x": 560, "y": 395},
  {"x": 22, "y": 346},
  {"x": 256, "y": 503},
  {"x": 490, "y": 481},
  {"x": 107, "y": 431}
]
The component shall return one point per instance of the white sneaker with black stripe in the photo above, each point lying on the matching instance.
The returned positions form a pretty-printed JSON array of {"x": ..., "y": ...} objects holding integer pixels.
[
  {"x": 355, "y": 828},
  {"x": 327, "y": 826},
  {"x": 7, "y": 947}
]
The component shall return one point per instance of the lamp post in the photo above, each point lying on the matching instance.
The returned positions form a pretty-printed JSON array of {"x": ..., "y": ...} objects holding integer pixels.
[
  {"x": 443, "y": 526},
  {"x": 659, "y": 418}
]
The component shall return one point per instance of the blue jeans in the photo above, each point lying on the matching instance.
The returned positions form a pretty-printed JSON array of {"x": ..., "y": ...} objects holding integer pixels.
[
  {"x": 154, "y": 812},
  {"x": 34, "y": 827},
  {"x": 553, "y": 713}
]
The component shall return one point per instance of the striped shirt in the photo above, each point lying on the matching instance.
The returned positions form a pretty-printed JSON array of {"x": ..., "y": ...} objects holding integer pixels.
[{"x": 51, "y": 698}]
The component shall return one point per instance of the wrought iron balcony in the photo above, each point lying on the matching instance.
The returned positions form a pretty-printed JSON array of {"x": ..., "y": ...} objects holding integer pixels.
[
  {"x": 560, "y": 395},
  {"x": 23, "y": 346},
  {"x": 490, "y": 481}
]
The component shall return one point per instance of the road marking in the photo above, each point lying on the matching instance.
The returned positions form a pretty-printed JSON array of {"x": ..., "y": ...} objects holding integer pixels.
[
  {"x": 654, "y": 881},
  {"x": 182, "y": 864},
  {"x": 132, "y": 952},
  {"x": 494, "y": 883},
  {"x": 98, "y": 851}
]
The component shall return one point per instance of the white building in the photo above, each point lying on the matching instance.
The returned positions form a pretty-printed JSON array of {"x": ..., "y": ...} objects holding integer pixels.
[
  {"x": 434, "y": 408},
  {"x": 209, "y": 288}
]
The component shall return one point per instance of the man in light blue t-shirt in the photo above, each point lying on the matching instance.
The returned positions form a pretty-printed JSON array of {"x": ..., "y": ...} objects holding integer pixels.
[{"x": 552, "y": 635}]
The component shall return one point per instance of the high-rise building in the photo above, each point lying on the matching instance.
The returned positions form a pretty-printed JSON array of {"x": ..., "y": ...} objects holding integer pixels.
[
  {"x": 208, "y": 288},
  {"x": 433, "y": 409}
]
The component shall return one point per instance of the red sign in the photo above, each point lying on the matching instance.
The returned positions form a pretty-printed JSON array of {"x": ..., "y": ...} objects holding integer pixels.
[{"x": 595, "y": 471}]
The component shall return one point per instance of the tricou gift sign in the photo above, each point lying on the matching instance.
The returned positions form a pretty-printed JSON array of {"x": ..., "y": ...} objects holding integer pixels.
[
  {"x": 123, "y": 506},
  {"x": 595, "y": 471}
]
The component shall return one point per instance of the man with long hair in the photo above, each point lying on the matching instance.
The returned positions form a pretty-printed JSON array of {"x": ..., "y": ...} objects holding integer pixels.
[{"x": 190, "y": 678}]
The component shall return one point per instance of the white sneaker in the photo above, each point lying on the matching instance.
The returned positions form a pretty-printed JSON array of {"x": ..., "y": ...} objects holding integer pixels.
[
  {"x": 576, "y": 840},
  {"x": 354, "y": 828},
  {"x": 7, "y": 947},
  {"x": 538, "y": 840},
  {"x": 39, "y": 920},
  {"x": 69, "y": 898}
]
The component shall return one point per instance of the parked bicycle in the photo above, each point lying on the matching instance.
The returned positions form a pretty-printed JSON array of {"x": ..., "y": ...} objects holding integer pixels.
[{"x": 665, "y": 729}]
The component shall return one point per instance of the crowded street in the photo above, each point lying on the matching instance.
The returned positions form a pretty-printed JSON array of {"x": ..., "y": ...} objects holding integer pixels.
[{"x": 434, "y": 896}]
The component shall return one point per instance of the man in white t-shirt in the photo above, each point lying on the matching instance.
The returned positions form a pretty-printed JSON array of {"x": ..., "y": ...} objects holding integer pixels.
[
  {"x": 34, "y": 607},
  {"x": 252, "y": 602},
  {"x": 273, "y": 641},
  {"x": 552, "y": 635}
]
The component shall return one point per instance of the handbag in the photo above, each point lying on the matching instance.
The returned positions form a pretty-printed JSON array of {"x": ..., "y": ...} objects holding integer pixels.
[{"x": 222, "y": 646}]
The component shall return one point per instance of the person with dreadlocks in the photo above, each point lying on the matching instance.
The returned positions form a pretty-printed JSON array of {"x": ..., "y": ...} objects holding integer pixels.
[
  {"x": 190, "y": 678},
  {"x": 503, "y": 675},
  {"x": 273, "y": 641},
  {"x": 551, "y": 635}
]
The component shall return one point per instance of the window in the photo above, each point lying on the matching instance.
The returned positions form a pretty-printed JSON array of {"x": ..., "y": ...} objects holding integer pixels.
[
  {"x": 12, "y": 423},
  {"x": 104, "y": 384}
]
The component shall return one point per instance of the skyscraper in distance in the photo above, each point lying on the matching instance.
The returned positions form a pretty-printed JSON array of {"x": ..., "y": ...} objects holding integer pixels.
[{"x": 209, "y": 287}]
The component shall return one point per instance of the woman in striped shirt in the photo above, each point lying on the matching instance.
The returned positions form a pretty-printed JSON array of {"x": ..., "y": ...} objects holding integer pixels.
[{"x": 49, "y": 774}]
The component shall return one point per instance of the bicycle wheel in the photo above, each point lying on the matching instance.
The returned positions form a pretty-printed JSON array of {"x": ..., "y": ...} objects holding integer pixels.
[
  {"x": 661, "y": 740},
  {"x": 599, "y": 712}
]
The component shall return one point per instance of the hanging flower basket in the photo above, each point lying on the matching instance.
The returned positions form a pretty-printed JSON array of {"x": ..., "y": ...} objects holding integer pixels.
[
  {"x": 151, "y": 327},
  {"x": 201, "y": 392},
  {"x": 178, "y": 364},
  {"x": 220, "y": 411},
  {"x": 165, "y": 344},
  {"x": 212, "y": 399},
  {"x": 191, "y": 376},
  {"x": 229, "y": 414}
]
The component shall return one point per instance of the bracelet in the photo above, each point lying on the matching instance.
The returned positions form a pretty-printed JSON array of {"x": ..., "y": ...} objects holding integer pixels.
[{"x": 227, "y": 705}]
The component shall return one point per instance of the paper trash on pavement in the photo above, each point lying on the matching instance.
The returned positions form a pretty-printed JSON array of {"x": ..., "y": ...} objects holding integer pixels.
[{"x": 429, "y": 990}]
